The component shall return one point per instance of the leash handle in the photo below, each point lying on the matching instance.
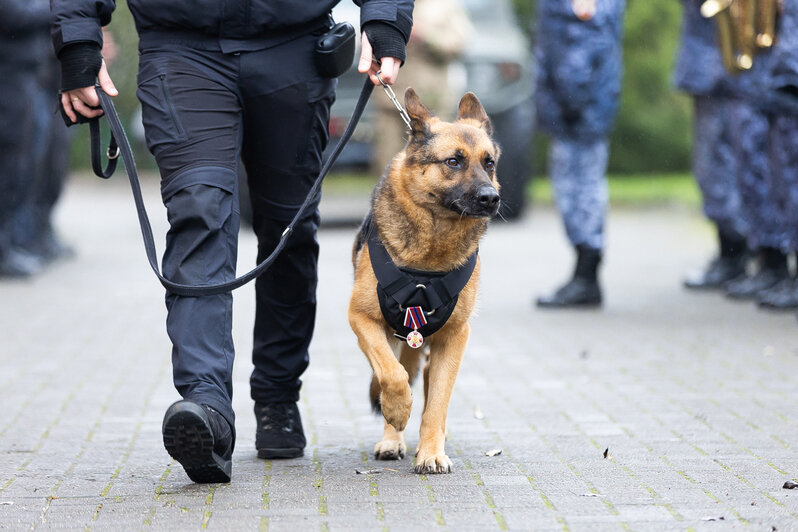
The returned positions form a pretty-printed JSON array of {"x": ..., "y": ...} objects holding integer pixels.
[{"x": 119, "y": 143}]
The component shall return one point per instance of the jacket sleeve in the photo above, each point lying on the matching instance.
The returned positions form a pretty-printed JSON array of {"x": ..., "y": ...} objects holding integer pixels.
[
  {"x": 79, "y": 21},
  {"x": 397, "y": 13},
  {"x": 23, "y": 15}
]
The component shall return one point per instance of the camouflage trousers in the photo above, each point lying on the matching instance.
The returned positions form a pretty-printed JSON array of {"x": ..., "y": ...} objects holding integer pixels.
[
  {"x": 715, "y": 163},
  {"x": 758, "y": 201},
  {"x": 784, "y": 165},
  {"x": 578, "y": 174}
]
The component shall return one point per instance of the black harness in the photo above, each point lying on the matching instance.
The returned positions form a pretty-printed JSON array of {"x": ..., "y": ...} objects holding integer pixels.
[{"x": 398, "y": 289}]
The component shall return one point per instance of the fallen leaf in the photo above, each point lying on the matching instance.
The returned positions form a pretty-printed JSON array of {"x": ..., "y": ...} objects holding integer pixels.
[
  {"x": 790, "y": 485},
  {"x": 769, "y": 351},
  {"x": 493, "y": 452},
  {"x": 478, "y": 413},
  {"x": 368, "y": 471}
]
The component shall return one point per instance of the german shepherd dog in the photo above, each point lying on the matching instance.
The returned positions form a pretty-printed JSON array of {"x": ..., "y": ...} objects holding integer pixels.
[{"x": 416, "y": 262}]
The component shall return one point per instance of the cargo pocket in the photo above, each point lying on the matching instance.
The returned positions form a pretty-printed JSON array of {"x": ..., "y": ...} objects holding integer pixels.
[{"x": 162, "y": 126}]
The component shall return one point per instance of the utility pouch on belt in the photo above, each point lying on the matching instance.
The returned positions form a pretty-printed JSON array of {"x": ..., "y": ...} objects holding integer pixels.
[{"x": 335, "y": 50}]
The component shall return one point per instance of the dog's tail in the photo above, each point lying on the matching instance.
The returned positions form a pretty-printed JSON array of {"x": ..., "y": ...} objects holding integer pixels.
[{"x": 411, "y": 360}]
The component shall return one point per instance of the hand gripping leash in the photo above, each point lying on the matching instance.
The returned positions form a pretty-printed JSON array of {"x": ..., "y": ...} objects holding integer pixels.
[{"x": 119, "y": 144}]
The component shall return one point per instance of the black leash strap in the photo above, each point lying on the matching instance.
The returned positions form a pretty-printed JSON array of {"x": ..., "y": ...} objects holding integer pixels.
[{"x": 118, "y": 136}]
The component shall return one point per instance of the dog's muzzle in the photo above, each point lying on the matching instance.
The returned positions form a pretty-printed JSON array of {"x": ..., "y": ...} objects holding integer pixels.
[{"x": 481, "y": 201}]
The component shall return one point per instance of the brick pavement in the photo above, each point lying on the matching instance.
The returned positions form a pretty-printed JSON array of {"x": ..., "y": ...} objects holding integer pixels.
[{"x": 693, "y": 396}]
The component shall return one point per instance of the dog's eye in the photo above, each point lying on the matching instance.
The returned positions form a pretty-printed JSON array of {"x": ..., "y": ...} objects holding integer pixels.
[
  {"x": 490, "y": 164},
  {"x": 452, "y": 162}
]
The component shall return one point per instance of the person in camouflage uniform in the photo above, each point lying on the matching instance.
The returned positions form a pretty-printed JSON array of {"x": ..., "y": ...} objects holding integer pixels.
[
  {"x": 699, "y": 72},
  {"x": 578, "y": 52},
  {"x": 760, "y": 205},
  {"x": 783, "y": 91}
]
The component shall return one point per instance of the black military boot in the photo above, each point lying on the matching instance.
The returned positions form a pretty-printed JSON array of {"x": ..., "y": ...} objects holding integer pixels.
[
  {"x": 200, "y": 439},
  {"x": 771, "y": 271},
  {"x": 583, "y": 288},
  {"x": 279, "y": 433},
  {"x": 729, "y": 264},
  {"x": 782, "y": 296}
]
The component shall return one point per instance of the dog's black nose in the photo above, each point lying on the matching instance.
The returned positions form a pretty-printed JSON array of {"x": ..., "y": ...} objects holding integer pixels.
[{"x": 487, "y": 196}]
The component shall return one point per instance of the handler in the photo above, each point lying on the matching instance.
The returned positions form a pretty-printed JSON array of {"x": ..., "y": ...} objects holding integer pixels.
[
  {"x": 217, "y": 80},
  {"x": 579, "y": 63}
]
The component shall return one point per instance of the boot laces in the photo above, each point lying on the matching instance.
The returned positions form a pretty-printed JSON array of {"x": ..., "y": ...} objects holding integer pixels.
[{"x": 277, "y": 416}]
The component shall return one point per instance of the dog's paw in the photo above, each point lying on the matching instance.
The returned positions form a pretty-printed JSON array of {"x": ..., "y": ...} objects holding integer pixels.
[
  {"x": 390, "y": 450},
  {"x": 396, "y": 404},
  {"x": 432, "y": 464}
]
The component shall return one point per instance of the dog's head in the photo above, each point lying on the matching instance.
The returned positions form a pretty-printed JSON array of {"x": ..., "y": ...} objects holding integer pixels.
[{"x": 450, "y": 167}]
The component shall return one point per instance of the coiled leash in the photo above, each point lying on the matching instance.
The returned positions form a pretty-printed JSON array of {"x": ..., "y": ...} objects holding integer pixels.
[{"x": 119, "y": 144}]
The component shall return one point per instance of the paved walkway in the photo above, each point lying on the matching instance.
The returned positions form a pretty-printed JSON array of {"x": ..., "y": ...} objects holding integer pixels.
[{"x": 663, "y": 411}]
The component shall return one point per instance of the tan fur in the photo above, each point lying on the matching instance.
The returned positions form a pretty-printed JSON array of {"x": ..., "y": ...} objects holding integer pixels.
[{"x": 421, "y": 232}]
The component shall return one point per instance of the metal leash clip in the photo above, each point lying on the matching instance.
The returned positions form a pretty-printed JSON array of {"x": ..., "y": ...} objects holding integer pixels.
[{"x": 392, "y": 97}]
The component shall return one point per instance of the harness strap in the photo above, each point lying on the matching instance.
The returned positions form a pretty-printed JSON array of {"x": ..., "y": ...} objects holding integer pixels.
[
  {"x": 400, "y": 285},
  {"x": 118, "y": 134}
]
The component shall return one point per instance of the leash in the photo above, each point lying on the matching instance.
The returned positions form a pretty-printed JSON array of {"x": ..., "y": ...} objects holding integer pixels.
[{"x": 119, "y": 144}]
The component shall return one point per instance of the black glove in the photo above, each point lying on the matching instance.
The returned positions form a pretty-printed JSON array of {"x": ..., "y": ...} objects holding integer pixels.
[{"x": 385, "y": 40}]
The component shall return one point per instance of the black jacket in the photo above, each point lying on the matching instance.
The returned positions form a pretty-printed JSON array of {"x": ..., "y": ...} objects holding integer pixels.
[
  {"x": 23, "y": 23},
  {"x": 236, "y": 25}
]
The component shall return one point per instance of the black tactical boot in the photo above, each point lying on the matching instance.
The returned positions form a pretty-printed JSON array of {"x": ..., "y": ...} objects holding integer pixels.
[
  {"x": 729, "y": 264},
  {"x": 18, "y": 263},
  {"x": 783, "y": 296},
  {"x": 200, "y": 439},
  {"x": 772, "y": 270},
  {"x": 583, "y": 288},
  {"x": 279, "y": 433}
]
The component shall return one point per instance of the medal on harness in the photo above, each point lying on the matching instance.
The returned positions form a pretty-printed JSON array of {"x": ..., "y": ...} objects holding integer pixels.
[
  {"x": 414, "y": 319},
  {"x": 583, "y": 9}
]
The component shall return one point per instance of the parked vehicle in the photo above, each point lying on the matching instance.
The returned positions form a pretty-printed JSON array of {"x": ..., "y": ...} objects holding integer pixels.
[{"x": 496, "y": 65}]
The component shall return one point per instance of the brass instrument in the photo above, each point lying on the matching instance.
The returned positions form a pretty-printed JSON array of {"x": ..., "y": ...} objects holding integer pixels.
[
  {"x": 743, "y": 27},
  {"x": 766, "y": 23}
]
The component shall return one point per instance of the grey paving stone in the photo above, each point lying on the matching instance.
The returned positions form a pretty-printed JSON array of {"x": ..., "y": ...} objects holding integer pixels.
[{"x": 689, "y": 392}]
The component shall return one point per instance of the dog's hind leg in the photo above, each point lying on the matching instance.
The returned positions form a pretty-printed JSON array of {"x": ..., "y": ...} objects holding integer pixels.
[
  {"x": 392, "y": 446},
  {"x": 444, "y": 363}
]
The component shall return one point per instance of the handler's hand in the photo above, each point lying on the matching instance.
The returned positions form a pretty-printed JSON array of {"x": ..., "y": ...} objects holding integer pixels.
[
  {"x": 80, "y": 100},
  {"x": 388, "y": 66}
]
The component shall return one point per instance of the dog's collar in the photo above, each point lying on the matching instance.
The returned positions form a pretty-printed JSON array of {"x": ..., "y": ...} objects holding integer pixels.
[{"x": 401, "y": 288}]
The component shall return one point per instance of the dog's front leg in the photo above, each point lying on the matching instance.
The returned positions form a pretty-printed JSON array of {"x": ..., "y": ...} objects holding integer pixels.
[
  {"x": 444, "y": 363},
  {"x": 395, "y": 396}
]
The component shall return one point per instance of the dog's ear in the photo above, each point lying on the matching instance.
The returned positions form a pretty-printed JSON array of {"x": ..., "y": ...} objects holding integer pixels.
[
  {"x": 418, "y": 112},
  {"x": 471, "y": 108}
]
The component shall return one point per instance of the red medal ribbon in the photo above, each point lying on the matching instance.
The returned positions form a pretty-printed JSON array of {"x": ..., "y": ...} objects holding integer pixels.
[{"x": 415, "y": 318}]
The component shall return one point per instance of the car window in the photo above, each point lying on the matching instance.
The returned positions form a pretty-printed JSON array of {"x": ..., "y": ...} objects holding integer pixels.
[{"x": 488, "y": 12}]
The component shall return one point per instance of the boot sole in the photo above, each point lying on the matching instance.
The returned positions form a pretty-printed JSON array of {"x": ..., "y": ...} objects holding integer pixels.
[
  {"x": 188, "y": 438},
  {"x": 280, "y": 453}
]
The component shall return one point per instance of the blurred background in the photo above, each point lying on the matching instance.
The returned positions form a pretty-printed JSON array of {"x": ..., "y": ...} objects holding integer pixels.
[{"x": 650, "y": 153}]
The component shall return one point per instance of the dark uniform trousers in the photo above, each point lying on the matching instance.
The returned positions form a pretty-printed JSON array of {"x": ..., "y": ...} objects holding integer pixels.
[
  {"x": 17, "y": 135},
  {"x": 202, "y": 110}
]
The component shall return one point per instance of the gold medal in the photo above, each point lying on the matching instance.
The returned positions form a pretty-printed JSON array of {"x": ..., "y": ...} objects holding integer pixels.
[
  {"x": 414, "y": 339},
  {"x": 584, "y": 9}
]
